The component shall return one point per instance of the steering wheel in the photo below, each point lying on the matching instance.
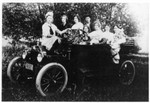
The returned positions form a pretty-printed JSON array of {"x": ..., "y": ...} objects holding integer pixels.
[
  {"x": 67, "y": 33},
  {"x": 75, "y": 36}
]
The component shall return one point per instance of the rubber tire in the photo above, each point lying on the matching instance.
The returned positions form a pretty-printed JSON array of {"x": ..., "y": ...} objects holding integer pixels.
[
  {"x": 12, "y": 62},
  {"x": 133, "y": 70},
  {"x": 41, "y": 73}
]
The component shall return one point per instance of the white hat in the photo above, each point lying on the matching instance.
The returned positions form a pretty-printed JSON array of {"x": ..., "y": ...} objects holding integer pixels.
[{"x": 50, "y": 13}]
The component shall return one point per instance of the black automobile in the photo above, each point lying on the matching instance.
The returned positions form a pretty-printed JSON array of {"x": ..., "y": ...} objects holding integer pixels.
[{"x": 52, "y": 71}]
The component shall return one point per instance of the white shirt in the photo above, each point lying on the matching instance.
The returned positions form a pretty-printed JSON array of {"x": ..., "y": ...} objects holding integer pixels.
[
  {"x": 78, "y": 25},
  {"x": 46, "y": 29},
  {"x": 109, "y": 36},
  {"x": 96, "y": 35}
]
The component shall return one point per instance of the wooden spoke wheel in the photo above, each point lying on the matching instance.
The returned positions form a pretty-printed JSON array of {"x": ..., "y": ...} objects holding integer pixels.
[{"x": 51, "y": 79}]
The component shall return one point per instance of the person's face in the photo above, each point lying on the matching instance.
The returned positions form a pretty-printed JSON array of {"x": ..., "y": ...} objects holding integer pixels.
[
  {"x": 86, "y": 29},
  {"x": 64, "y": 19},
  {"x": 96, "y": 27},
  {"x": 88, "y": 19},
  {"x": 107, "y": 28},
  {"x": 76, "y": 19},
  {"x": 51, "y": 14},
  {"x": 116, "y": 29},
  {"x": 49, "y": 19}
]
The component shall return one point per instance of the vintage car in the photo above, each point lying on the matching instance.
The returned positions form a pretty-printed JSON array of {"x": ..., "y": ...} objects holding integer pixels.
[{"x": 52, "y": 72}]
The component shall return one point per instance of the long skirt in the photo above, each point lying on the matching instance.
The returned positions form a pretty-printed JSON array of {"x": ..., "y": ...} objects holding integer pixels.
[{"x": 48, "y": 42}]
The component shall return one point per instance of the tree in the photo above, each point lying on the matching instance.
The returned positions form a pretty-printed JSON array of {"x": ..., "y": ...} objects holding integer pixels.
[{"x": 26, "y": 19}]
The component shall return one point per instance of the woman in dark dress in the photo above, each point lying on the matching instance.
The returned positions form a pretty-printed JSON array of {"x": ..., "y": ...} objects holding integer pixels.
[{"x": 64, "y": 23}]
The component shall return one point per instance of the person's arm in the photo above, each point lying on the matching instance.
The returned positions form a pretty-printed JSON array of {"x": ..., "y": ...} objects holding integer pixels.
[
  {"x": 59, "y": 31},
  {"x": 122, "y": 40}
]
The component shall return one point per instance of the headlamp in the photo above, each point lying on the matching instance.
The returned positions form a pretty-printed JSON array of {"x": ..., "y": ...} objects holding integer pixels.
[
  {"x": 39, "y": 57},
  {"x": 24, "y": 54}
]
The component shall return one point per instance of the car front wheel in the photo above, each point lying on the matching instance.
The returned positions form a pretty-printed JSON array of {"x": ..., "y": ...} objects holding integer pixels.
[{"x": 51, "y": 79}]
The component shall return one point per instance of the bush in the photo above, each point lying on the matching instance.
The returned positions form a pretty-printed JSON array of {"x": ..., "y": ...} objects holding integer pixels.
[{"x": 8, "y": 53}]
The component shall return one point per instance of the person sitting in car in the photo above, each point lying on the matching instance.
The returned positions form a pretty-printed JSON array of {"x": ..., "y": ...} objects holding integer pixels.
[
  {"x": 64, "y": 23},
  {"x": 96, "y": 35},
  {"x": 78, "y": 24},
  {"x": 109, "y": 36},
  {"x": 49, "y": 31},
  {"x": 87, "y": 23},
  {"x": 86, "y": 29},
  {"x": 118, "y": 38}
]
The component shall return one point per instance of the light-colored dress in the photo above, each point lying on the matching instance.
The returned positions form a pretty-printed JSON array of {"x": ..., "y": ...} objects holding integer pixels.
[
  {"x": 109, "y": 36},
  {"x": 48, "y": 39},
  {"x": 78, "y": 25},
  {"x": 118, "y": 39},
  {"x": 114, "y": 40},
  {"x": 95, "y": 36}
]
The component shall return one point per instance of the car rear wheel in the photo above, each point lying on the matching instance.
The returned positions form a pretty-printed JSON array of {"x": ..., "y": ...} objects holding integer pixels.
[
  {"x": 127, "y": 72},
  {"x": 51, "y": 79}
]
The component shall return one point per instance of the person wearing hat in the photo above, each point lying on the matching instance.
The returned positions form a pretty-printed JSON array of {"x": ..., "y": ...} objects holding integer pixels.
[
  {"x": 118, "y": 38},
  {"x": 49, "y": 31}
]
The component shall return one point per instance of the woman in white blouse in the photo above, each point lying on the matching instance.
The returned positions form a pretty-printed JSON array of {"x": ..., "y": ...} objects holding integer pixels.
[
  {"x": 78, "y": 24},
  {"x": 97, "y": 34},
  {"x": 49, "y": 31}
]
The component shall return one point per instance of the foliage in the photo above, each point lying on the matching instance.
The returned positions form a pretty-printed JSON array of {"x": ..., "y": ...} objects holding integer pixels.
[
  {"x": 26, "y": 19},
  {"x": 8, "y": 53}
]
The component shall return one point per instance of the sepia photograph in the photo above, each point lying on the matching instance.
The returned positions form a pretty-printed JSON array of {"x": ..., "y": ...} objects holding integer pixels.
[{"x": 71, "y": 51}]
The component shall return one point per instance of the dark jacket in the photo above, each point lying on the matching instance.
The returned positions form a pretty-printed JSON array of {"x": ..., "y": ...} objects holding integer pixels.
[{"x": 63, "y": 27}]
